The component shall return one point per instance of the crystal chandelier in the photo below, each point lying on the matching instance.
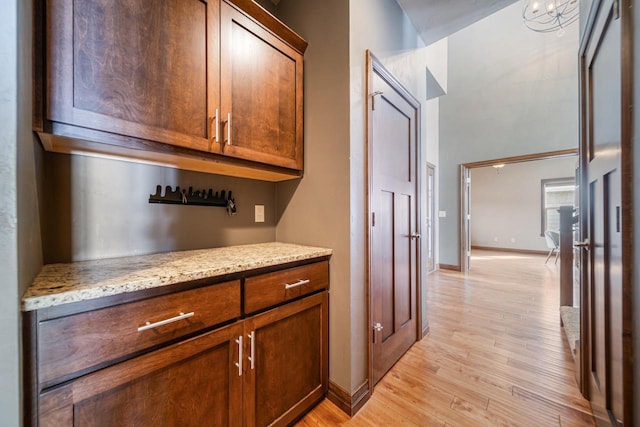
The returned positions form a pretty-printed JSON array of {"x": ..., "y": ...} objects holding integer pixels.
[{"x": 546, "y": 16}]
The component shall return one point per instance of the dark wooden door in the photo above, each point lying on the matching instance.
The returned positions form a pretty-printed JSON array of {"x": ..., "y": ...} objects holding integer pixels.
[
  {"x": 141, "y": 68},
  {"x": 192, "y": 383},
  {"x": 603, "y": 120},
  {"x": 261, "y": 84},
  {"x": 286, "y": 361},
  {"x": 394, "y": 237}
]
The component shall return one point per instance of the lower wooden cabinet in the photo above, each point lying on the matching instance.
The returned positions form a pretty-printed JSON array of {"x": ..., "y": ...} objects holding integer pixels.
[
  {"x": 192, "y": 383},
  {"x": 288, "y": 361},
  {"x": 266, "y": 368}
]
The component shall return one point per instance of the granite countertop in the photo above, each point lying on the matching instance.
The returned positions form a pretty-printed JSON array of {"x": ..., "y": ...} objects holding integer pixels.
[{"x": 58, "y": 284}]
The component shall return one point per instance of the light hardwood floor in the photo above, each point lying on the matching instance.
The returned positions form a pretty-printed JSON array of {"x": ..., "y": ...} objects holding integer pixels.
[{"x": 495, "y": 355}]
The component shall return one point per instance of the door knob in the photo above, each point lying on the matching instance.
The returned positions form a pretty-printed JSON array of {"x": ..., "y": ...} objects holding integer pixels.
[
  {"x": 414, "y": 236},
  {"x": 583, "y": 244},
  {"x": 378, "y": 327}
]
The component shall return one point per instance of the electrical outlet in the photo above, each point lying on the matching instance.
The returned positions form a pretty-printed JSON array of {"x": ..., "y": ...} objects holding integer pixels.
[{"x": 259, "y": 215}]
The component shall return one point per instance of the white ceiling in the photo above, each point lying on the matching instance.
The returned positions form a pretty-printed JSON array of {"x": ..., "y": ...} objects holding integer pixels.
[{"x": 436, "y": 19}]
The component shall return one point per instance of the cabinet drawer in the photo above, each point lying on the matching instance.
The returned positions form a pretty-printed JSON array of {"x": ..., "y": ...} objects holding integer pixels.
[
  {"x": 75, "y": 343},
  {"x": 271, "y": 289}
]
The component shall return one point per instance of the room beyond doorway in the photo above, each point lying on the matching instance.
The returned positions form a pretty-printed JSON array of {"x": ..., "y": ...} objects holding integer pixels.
[{"x": 512, "y": 214}]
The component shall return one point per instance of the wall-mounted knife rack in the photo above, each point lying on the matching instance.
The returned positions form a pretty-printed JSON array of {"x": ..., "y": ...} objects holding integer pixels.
[{"x": 197, "y": 198}]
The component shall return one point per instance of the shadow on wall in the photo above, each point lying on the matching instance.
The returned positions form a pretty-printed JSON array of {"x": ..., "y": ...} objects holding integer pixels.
[
  {"x": 284, "y": 193},
  {"x": 97, "y": 208}
]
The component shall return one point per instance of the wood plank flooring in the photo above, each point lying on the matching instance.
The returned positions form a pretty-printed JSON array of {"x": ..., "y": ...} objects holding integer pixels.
[{"x": 495, "y": 355}]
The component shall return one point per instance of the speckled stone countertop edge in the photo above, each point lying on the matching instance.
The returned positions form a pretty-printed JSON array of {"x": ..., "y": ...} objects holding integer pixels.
[{"x": 59, "y": 284}]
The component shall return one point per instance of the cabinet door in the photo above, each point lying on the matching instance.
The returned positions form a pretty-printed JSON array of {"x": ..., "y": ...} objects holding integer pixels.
[
  {"x": 192, "y": 383},
  {"x": 261, "y": 93},
  {"x": 138, "y": 68},
  {"x": 287, "y": 369}
]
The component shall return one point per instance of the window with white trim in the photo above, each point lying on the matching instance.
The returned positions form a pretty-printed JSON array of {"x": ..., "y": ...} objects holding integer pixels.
[{"x": 555, "y": 193}]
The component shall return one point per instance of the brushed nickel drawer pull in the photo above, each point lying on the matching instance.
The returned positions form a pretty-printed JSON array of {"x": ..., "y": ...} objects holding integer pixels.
[
  {"x": 295, "y": 285},
  {"x": 150, "y": 325}
]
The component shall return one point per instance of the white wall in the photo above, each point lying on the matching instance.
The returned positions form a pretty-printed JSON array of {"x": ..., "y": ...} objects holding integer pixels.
[
  {"x": 505, "y": 205},
  {"x": 510, "y": 92}
]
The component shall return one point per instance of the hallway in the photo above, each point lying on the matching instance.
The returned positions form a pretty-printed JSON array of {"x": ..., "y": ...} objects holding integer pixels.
[{"x": 495, "y": 355}]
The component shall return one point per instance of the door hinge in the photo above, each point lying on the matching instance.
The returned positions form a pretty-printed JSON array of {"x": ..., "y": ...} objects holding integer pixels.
[
  {"x": 468, "y": 217},
  {"x": 468, "y": 180},
  {"x": 373, "y": 98},
  {"x": 373, "y": 219}
]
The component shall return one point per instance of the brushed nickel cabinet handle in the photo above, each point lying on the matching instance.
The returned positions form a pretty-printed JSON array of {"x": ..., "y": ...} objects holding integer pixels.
[
  {"x": 217, "y": 119},
  {"x": 252, "y": 337},
  {"x": 295, "y": 285},
  {"x": 150, "y": 325},
  {"x": 229, "y": 129},
  {"x": 239, "y": 362}
]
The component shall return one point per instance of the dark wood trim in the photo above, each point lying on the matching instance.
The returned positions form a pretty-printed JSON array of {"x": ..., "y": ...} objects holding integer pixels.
[
  {"x": 448, "y": 267},
  {"x": 426, "y": 330},
  {"x": 29, "y": 369},
  {"x": 627, "y": 177},
  {"x": 465, "y": 232},
  {"x": 511, "y": 250},
  {"x": 368, "y": 255},
  {"x": 38, "y": 66},
  {"x": 349, "y": 403},
  {"x": 273, "y": 24},
  {"x": 464, "y": 171},
  {"x": 432, "y": 167},
  {"x": 524, "y": 158},
  {"x": 66, "y": 139},
  {"x": 373, "y": 65},
  {"x": 584, "y": 360}
]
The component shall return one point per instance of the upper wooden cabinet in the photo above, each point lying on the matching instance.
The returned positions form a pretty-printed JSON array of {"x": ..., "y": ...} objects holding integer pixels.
[
  {"x": 196, "y": 84},
  {"x": 261, "y": 84}
]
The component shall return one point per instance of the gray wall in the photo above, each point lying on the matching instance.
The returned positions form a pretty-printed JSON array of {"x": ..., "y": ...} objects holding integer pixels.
[
  {"x": 382, "y": 27},
  {"x": 20, "y": 245},
  {"x": 332, "y": 193},
  {"x": 511, "y": 91},
  {"x": 316, "y": 211},
  {"x": 505, "y": 205},
  {"x": 98, "y": 208},
  {"x": 9, "y": 285}
]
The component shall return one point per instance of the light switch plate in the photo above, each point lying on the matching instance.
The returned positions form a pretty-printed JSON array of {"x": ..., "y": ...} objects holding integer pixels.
[{"x": 259, "y": 213}]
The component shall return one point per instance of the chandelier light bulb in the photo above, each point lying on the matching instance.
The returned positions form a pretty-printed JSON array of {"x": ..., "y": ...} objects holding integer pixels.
[{"x": 535, "y": 7}]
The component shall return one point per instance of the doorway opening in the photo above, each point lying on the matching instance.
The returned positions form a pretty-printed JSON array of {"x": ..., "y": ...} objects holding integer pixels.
[{"x": 509, "y": 232}]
